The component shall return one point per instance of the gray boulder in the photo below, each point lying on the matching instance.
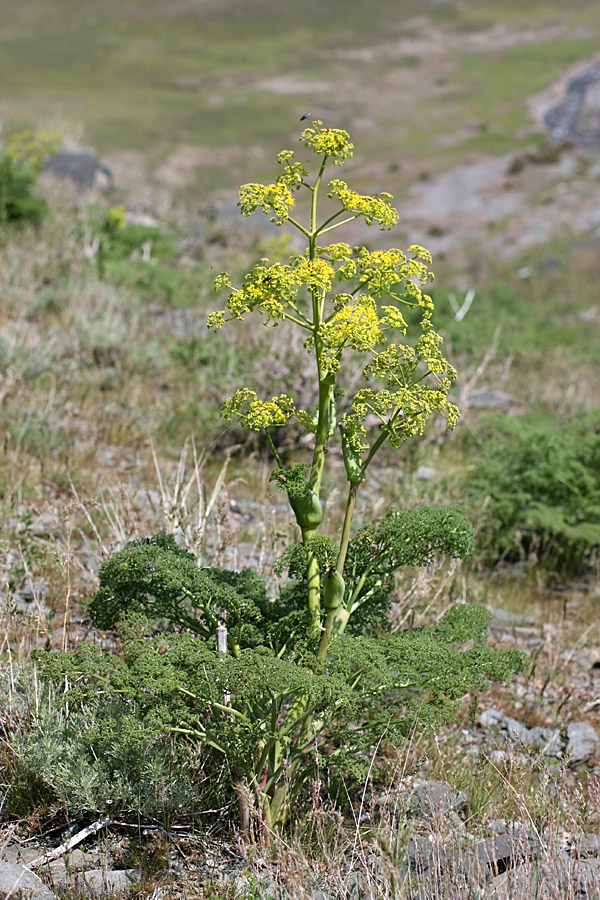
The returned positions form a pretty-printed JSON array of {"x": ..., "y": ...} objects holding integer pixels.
[
  {"x": 102, "y": 883},
  {"x": 431, "y": 798},
  {"x": 19, "y": 883},
  {"x": 84, "y": 169},
  {"x": 582, "y": 742}
]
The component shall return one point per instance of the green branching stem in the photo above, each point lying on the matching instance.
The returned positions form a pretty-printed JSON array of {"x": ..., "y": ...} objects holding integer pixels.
[
  {"x": 338, "y": 224},
  {"x": 273, "y": 448},
  {"x": 297, "y": 225},
  {"x": 326, "y": 386}
]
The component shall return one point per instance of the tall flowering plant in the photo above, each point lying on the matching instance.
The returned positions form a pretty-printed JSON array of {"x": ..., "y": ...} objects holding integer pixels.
[
  {"x": 271, "y": 685},
  {"x": 343, "y": 299}
]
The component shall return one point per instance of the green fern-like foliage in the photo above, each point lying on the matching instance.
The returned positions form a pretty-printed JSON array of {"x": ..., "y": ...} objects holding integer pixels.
[
  {"x": 269, "y": 710},
  {"x": 21, "y": 161},
  {"x": 160, "y": 580},
  {"x": 539, "y": 486},
  {"x": 17, "y": 202},
  {"x": 156, "y": 577},
  {"x": 94, "y": 758},
  {"x": 175, "y": 684},
  {"x": 403, "y": 538}
]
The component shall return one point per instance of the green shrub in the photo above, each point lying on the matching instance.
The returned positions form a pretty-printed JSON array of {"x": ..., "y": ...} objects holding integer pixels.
[
  {"x": 269, "y": 712},
  {"x": 143, "y": 257},
  {"x": 93, "y": 759},
  {"x": 538, "y": 486},
  {"x": 21, "y": 161}
]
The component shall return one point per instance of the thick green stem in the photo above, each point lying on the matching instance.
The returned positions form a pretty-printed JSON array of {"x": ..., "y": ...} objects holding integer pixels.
[
  {"x": 314, "y": 585},
  {"x": 339, "y": 612},
  {"x": 323, "y": 432}
]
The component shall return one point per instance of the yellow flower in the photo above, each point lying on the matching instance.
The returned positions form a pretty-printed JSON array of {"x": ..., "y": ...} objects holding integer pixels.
[
  {"x": 316, "y": 274},
  {"x": 376, "y": 208},
  {"x": 271, "y": 198},
  {"x": 355, "y": 325},
  {"x": 330, "y": 142},
  {"x": 257, "y": 414}
]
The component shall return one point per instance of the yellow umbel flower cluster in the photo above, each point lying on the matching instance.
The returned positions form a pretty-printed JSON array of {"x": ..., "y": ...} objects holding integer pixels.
[
  {"x": 403, "y": 413},
  {"x": 411, "y": 379},
  {"x": 373, "y": 209},
  {"x": 355, "y": 325},
  {"x": 331, "y": 142},
  {"x": 316, "y": 274},
  {"x": 271, "y": 198},
  {"x": 258, "y": 414}
]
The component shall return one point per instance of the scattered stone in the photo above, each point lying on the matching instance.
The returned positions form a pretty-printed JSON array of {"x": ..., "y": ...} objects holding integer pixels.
[
  {"x": 491, "y": 718},
  {"x": 587, "y": 845},
  {"x": 426, "y": 473},
  {"x": 101, "y": 883},
  {"x": 13, "y": 603},
  {"x": 582, "y": 742},
  {"x": 516, "y": 731},
  {"x": 503, "y": 851},
  {"x": 19, "y": 883},
  {"x": 43, "y": 526},
  {"x": 549, "y": 740},
  {"x": 146, "y": 500},
  {"x": 575, "y": 119},
  {"x": 36, "y": 590},
  {"x": 84, "y": 169},
  {"x": 503, "y": 618},
  {"x": 483, "y": 398},
  {"x": 548, "y": 878},
  {"x": 435, "y": 798}
]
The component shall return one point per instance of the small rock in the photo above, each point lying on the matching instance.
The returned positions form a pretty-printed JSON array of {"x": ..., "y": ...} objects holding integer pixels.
[
  {"x": 502, "y": 852},
  {"x": 43, "y": 526},
  {"x": 106, "y": 457},
  {"x": 14, "y": 603},
  {"x": 491, "y": 718},
  {"x": 587, "y": 659},
  {"x": 426, "y": 473},
  {"x": 548, "y": 739},
  {"x": 582, "y": 742},
  {"x": 436, "y": 798},
  {"x": 517, "y": 731},
  {"x": 502, "y": 618},
  {"x": 487, "y": 399},
  {"x": 499, "y": 757},
  {"x": 83, "y": 169},
  {"x": 36, "y": 590},
  {"x": 548, "y": 879},
  {"x": 100, "y": 883},
  {"x": 588, "y": 845},
  {"x": 146, "y": 500},
  {"x": 20, "y": 883}
]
